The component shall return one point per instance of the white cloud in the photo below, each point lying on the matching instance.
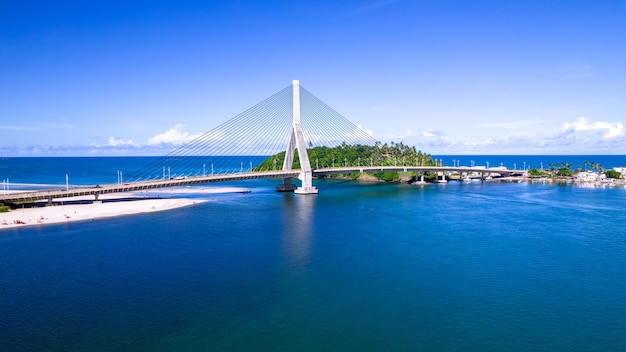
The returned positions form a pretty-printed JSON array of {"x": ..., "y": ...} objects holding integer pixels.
[
  {"x": 175, "y": 136},
  {"x": 610, "y": 129},
  {"x": 580, "y": 136},
  {"x": 431, "y": 133},
  {"x": 114, "y": 142},
  {"x": 402, "y": 136}
]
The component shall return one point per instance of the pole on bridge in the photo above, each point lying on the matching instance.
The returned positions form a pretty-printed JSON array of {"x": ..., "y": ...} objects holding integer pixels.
[{"x": 296, "y": 140}]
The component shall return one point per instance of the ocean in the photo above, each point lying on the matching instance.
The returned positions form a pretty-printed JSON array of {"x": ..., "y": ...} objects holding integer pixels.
[{"x": 480, "y": 266}]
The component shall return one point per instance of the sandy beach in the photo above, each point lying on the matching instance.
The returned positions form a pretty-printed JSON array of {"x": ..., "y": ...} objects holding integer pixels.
[
  {"x": 80, "y": 212},
  {"x": 136, "y": 203}
]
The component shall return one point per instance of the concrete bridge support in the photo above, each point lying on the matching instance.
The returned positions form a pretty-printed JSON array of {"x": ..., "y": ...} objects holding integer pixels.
[
  {"x": 443, "y": 177},
  {"x": 420, "y": 180},
  {"x": 296, "y": 140},
  {"x": 286, "y": 186}
]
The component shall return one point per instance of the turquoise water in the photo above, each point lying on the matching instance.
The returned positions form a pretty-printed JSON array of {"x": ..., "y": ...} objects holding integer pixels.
[{"x": 454, "y": 267}]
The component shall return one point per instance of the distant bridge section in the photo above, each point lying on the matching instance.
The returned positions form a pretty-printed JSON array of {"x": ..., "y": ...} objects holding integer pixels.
[{"x": 418, "y": 169}]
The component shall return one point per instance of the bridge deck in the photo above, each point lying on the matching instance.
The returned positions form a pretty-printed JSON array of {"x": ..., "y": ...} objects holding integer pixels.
[
  {"x": 140, "y": 186},
  {"x": 192, "y": 180}
]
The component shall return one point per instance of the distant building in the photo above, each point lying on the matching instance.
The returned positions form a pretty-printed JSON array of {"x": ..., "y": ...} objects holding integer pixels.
[{"x": 588, "y": 176}]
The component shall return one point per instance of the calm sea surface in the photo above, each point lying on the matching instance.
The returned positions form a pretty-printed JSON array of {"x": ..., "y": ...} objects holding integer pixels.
[{"x": 363, "y": 267}]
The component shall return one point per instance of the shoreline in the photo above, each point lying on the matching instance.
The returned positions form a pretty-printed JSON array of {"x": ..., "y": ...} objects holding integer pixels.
[
  {"x": 58, "y": 214},
  {"x": 114, "y": 205}
]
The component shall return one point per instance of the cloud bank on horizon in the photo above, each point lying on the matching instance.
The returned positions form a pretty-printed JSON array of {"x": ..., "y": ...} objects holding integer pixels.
[
  {"x": 580, "y": 136},
  {"x": 450, "y": 77},
  {"x": 577, "y": 137}
]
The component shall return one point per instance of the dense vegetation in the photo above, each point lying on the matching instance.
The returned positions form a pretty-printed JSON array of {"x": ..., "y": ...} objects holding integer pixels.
[
  {"x": 613, "y": 174},
  {"x": 564, "y": 170},
  {"x": 395, "y": 154}
]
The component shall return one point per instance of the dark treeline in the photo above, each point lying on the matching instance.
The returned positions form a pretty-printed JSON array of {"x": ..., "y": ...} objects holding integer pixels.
[
  {"x": 565, "y": 170},
  {"x": 393, "y": 154}
]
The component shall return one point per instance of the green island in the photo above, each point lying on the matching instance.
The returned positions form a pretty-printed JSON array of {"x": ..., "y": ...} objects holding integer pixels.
[{"x": 393, "y": 154}]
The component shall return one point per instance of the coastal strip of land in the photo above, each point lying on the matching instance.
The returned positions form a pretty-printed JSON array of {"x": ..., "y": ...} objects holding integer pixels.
[{"x": 111, "y": 206}]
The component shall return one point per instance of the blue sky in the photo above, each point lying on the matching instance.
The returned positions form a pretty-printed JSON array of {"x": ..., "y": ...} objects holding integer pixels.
[{"x": 450, "y": 77}]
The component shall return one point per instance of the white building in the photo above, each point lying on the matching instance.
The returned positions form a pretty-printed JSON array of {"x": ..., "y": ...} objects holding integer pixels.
[{"x": 588, "y": 176}]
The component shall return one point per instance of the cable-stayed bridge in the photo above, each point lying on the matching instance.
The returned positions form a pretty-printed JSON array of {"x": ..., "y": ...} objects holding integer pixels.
[{"x": 290, "y": 121}]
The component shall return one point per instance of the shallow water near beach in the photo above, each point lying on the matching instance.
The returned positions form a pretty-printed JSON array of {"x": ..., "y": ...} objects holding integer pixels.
[{"x": 454, "y": 267}]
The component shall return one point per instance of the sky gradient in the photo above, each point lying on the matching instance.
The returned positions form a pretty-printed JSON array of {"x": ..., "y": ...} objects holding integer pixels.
[{"x": 450, "y": 77}]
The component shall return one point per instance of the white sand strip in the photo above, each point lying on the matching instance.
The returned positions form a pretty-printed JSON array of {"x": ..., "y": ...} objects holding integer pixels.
[
  {"x": 196, "y": 190},
  {"x": 80, "y": 212}
]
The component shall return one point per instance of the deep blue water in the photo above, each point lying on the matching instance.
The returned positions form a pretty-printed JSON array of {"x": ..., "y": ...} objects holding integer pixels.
[{"x": 368, "y": 267}]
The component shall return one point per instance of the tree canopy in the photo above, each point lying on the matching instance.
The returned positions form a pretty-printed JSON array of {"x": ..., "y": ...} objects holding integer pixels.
[{"x": 394, "y": 154}]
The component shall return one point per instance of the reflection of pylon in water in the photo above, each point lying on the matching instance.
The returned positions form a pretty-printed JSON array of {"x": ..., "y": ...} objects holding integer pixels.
[{"x": 296, "y": 140}]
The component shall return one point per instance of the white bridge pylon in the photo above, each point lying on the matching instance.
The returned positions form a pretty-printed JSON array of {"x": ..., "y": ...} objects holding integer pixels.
[{"x": 296, "y": 140}]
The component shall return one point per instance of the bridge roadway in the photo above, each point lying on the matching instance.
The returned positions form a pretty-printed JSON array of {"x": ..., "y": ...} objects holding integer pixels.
[
  {"x": 140, "y": 186},
  {"x": 17, "y": 197},
  {"x": 418, "y": 169}
]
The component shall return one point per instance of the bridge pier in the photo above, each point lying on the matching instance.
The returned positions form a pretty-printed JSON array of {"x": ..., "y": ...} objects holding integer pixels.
[
  {"x": 286, "y": 186},
  {"x": 443, "y": 177},
  {"x": 296, "y": 140},
  {"x": 307, "y": 183},
  {"x": 421, "y": 178}
]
